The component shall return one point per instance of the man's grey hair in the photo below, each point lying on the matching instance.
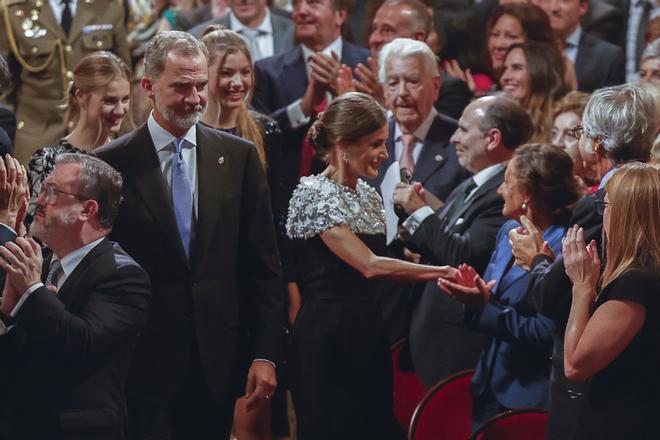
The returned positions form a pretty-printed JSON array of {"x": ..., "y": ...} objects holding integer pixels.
[
  {"x": 509, "y": 117},
  {"x": 404, "y": 48},
  {"x": 625, "y": 118},
  {"x": 5, "y": 75},
  {"x": 98, "y": 181},
  {"x": 170, "y": 41},
  {"x": 652, "y": 50}
]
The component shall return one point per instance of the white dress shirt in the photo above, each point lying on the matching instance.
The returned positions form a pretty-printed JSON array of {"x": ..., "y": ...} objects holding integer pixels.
[
  {"x": 264, "y": 39},
  {"x": 164, "y": 143},
  {"x": 58, "y": 8},
  {"x": 572, "y": 43},
  {"x": 296, "y": 116}
]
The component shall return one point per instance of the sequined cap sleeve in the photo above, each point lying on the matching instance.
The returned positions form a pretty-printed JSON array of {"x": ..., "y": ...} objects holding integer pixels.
[{"x": 319, "y": 204}]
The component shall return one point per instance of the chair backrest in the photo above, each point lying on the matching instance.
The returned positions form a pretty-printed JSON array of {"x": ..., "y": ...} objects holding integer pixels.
[
  {"x": 517, "y": 424},
  {"x": 408, "y": 389},
  {"x": 445, "y": 412}
]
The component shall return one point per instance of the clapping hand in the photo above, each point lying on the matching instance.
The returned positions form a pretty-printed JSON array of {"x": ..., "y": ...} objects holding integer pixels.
[
  {"x": 467, "y": 287},
  {"x": 452, "y": 68},
  {"x": 410, "y": 197},
  {"x": 581, "y": 262},
  {"x": 325, "y": 70},
  {"x": 14, "y": 192},
  {"x": 527, "y": 242},
  {"x": 367, "y": 80},
  {"x": 22, "y": 263}
]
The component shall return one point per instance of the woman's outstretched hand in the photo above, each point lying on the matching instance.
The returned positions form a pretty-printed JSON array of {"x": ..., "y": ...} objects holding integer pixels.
[{"x": 467, "y": 287}]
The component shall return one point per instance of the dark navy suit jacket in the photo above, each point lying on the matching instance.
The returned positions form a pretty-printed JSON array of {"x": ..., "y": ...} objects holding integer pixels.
[
  {"x": 598, "y": 64},
  {"x": 515, "y": 364},
  {"x": 281, "y": 80}
]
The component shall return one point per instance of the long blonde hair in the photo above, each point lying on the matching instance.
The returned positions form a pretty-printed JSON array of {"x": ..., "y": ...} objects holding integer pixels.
[
  {"x": 221, "y": 42},
  {"x": 634, "y": 230}
]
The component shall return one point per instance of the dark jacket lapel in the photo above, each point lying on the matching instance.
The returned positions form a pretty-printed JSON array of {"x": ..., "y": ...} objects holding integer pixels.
[
  {"x": 76, "y": 282},
  {"x": 294, "y": 73},
  {"x": 431, "y": 158},
  {"x": 490, "y": 185},
  {"x": 152, "y": 188}
]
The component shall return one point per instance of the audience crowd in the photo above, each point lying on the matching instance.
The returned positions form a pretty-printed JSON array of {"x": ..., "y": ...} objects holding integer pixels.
[{"x": 195, "y": 198}]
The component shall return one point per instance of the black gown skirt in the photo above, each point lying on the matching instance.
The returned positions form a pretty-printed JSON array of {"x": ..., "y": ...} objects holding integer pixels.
[{"x": 339, "y": 357}]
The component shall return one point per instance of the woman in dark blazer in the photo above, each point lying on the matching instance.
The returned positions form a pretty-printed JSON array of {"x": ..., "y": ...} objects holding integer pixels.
[{"x": 514, "y": 367}]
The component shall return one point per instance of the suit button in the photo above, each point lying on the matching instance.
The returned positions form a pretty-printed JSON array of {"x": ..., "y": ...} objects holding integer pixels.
[
  {"x": 99, "y": 43},
  {"x": 68, "y": 48},
  {"x": 20, "y": 125},
  {"x": 69, "y": 74}
]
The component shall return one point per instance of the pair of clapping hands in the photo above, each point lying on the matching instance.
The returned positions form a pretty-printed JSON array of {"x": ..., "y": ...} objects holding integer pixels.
[{"x": 21, "y": 260}]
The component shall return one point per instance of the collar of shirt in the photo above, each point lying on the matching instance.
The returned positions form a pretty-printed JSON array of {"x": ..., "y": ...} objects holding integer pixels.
[
  {"x": 607, "y": 177},
  {"x": 58, "y": 7},
  {"x": 162, "y": 138},
  {"x": 73, "y": 259},
  {"x": 485, "y": 175},
  {"x": 336, "y": 47},
  {"x": 266, "y": 26},
  {"x": 572, "y": 43},
  {"x": 420, "y": 133}
]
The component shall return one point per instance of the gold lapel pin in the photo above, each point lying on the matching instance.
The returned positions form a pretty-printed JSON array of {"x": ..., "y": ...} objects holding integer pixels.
[{"x": 221, "y": 160}]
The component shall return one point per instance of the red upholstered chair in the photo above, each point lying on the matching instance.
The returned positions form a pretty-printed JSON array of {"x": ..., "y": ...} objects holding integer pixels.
[
  {"x": 445, "y": 412},
  {"x": 408, "y": 389},
  {"x": 517, "y": 424}
]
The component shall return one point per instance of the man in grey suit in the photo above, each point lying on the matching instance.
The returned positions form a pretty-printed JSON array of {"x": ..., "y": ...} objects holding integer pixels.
[{"x": 267, "y": 33}]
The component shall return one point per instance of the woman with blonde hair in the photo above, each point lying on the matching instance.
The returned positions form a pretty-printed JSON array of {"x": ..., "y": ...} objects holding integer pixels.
[
  {"x": 613, "y": 333},
  {"x": 97, "y": 102},
  {"x": 231, "y": 85}
]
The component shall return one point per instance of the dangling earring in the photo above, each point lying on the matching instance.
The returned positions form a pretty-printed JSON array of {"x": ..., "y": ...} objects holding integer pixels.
[
  {"x": 345, "y": 157},
  {"x": 523, "y": 206}
]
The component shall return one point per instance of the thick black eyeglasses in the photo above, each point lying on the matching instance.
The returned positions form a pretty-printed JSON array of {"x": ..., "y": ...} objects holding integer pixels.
[{"x": 600, "y": 206}]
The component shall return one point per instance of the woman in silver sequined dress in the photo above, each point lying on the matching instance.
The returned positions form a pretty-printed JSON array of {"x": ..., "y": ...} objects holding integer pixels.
[{"x": 340, "y": 372}]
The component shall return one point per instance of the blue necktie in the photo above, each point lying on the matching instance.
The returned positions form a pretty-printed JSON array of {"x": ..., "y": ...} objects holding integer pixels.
[{"x": 182, "y": 197}]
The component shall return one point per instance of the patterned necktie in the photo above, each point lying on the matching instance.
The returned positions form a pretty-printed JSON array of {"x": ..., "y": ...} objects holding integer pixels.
[
  {"x": 53, "y": 273},
  {"x": 67, "y": 19},
  {"x": 182, "y": 196},
  {"x": 407, "y": 159}
]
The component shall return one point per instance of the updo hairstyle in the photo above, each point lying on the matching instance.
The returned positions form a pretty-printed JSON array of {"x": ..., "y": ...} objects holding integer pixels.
[
  {"x": 348, "y": 118},
  {"x": 93, "y": 72},
  {"x": 546, "y": 175}
]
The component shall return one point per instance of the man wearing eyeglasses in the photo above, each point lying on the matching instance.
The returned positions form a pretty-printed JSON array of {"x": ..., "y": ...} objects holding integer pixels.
[{"x": 74, "y": 314}]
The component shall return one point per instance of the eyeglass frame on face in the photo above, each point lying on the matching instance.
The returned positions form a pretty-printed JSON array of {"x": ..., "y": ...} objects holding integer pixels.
[
  {"x": 601, "y": 205},
  {"x": 48, "y": 193},
  {"x": 577, "y": 131}
]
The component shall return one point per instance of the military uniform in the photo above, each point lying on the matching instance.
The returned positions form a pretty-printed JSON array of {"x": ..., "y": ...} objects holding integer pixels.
[{"x": 46, "y": 55}]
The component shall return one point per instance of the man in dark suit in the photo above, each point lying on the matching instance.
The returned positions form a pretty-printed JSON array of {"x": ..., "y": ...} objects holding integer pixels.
[
  {"x": 7, "y": 118},
  {"x": 619, "y": 127},
  {"x": 597, "y": 62},
  {"x": 418, "y": 139},
  {"x": 74, "y": 320},
  {"x": 463, "y": 231},
  {"x": 408, "y": 19},
  {"x": 267, "y": 34},
  {"x": 197, "y": 217},
  {"x": 294, "y": 86}
]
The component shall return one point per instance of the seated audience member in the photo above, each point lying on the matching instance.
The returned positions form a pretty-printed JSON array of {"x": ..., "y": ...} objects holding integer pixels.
[
  {"x": 294, "y": 86},
  {"x": 267, "y": 34},
  {"x": 567, "y": 115},
  {"x": 597, "y": 62},
  {"x": 463, "y": 230},
  {"x": 618, "y": 126},
  {"x": 407, "y": 19},
  {"x": 613, "y": 332},
  {"x": 514, "y": 367},
  {"x": 532, "y": 76},
  {"x": 74, "y": 323},
  {"x": 508, "y": 24},
  {"x": 98, "y": 101},
  {"x": 7, "y": 118},
  {"x": 213, "y": 10},
  {"x": 649, "y": 66}
]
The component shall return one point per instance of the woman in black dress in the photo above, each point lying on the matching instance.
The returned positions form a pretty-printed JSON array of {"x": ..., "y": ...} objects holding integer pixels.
[
  {"x": 231, "y": 84},
  {"x": 340, "y": 366},
  {"x": 613, "y": 337},
  {"x": 98, "y": 100}
]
